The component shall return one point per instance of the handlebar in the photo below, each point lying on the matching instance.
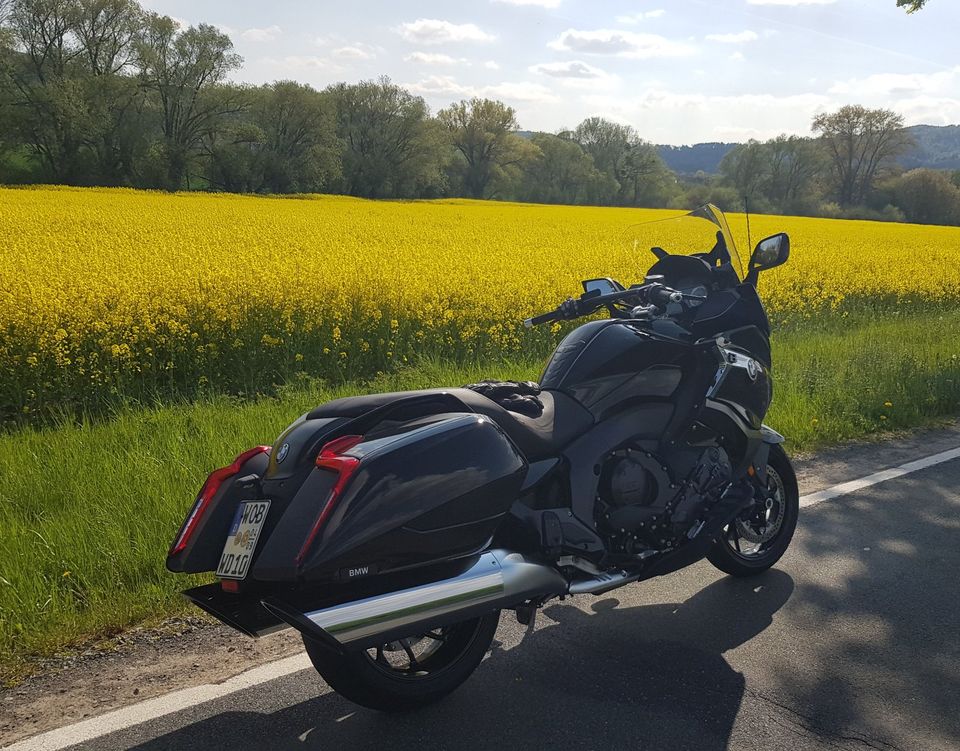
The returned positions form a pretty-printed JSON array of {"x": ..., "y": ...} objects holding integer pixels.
[{"x": 655, "y": 294}]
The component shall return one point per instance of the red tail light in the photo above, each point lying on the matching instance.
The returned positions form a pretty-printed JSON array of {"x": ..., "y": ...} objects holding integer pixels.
[
  {"x": 332, "y": 457},
  {"x": 213, "y": 483}
]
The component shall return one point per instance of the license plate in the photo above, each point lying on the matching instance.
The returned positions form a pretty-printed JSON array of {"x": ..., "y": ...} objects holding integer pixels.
[{"x": 242, "y": 540}]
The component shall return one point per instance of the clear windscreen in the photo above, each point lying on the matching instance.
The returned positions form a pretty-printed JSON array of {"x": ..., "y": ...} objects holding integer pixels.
[{"x": 702, "y": 232}]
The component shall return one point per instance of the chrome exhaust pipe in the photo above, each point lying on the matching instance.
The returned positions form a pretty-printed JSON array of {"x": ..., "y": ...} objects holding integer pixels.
[{"x": 498, "y": 579}]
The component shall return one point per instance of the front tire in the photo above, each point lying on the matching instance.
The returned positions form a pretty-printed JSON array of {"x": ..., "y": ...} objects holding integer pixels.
[
  {"x": 409, "y": 673},
  {"x": 759, "y": 537}
]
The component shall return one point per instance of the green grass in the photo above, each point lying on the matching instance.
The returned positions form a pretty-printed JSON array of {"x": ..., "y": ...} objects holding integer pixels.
[{"x": 88, "y": 510}]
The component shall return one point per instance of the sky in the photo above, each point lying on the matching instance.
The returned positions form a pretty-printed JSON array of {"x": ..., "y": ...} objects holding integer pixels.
[{"x": 679, "y": 71}]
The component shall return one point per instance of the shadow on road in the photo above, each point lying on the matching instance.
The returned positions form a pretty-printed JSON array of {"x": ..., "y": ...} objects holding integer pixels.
[
  {"x": 640, "y": 677},
  {"x": 881, "y": 579}
]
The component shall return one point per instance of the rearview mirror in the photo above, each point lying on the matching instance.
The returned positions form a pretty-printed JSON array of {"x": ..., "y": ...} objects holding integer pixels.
[
  {"x": 770, "y": 252},
  {"x": 603, "y": 286}
]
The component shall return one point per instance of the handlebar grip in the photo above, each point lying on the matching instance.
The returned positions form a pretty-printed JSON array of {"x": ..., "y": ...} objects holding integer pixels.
[
  {"x": 660, "y": 295},
  {"x": 537, "y": 320}
]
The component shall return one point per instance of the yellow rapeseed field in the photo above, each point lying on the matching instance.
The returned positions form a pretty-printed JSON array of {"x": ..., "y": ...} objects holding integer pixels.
[{"x": 114, "y": 294}]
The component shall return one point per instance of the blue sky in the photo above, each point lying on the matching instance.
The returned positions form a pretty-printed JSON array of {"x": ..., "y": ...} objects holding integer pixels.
[{"x": 679, "y": 71}]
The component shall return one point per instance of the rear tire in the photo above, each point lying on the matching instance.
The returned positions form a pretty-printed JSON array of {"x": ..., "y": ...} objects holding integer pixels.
[
  {"x": 372, "y": 679},
  {"x": 730, "y": 553}
]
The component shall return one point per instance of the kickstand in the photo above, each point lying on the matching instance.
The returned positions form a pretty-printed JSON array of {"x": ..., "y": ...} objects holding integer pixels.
[{"x": 527, "y": 616}]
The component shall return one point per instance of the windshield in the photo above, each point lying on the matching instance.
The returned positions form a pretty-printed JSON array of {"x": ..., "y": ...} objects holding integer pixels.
[{"x": 702, "y": 232}]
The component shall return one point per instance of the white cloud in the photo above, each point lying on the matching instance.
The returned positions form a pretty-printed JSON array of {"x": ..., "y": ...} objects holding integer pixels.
[
  {"x": 791, "y": 2},
  {"x": 434, "y": 58},
  {"x": 737, "y": 57},
  {"x": 620, "y": 43},
  {"x": 435, "y": 31},
  {"x": 521, "y": 91},
  {"x": 300, "y": 62},
  {"x": 354, "y": 52},
  {"x": 267, "y": 34},
  {"x": 899, "y": 84},
  {"x": 667, "y": 115},
  {"x": 635, "y": 18},
  {"x": 491, "y": 65},
  {"x": 739, "y": 37},
  {"x": 539, "y": 3},
  {"x": 570, "y": 69}
]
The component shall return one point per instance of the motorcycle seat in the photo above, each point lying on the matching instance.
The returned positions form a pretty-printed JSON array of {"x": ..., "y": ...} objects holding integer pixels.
[{"x": 562, "y": 418}]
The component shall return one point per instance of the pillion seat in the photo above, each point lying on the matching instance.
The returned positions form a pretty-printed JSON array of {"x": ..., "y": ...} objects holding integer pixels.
[{"x": 561, "y": 420}]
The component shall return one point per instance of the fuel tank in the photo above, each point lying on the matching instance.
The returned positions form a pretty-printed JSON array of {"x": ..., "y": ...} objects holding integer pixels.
[{"x": 610, "y": 365}]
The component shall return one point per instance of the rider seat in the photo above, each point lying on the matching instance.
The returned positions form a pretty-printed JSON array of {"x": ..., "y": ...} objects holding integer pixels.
[{"x": 561, "y": 420}]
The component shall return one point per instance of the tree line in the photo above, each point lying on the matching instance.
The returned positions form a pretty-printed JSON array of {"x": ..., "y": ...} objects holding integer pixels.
[{"x": 104, "y": 92}]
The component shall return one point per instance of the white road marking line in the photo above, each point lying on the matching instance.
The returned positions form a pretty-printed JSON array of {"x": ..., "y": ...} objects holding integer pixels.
[
  {"x": 126, "y": 717},
  {"x": 852, "y": 486},
  {"x": 150, "y": 709}
]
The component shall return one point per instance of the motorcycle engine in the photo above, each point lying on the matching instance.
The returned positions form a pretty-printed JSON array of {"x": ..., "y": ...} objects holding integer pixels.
[{"x": 650, "y": 502}]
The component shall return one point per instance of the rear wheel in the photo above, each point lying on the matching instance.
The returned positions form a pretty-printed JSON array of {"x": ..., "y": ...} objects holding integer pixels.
[
  {"x": 759, "y": 536},
  {"x": 409, "y": 673}
]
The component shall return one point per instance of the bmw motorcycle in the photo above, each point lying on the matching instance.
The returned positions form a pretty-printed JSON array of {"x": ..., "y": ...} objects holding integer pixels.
[{"x": 391, "y": 530}]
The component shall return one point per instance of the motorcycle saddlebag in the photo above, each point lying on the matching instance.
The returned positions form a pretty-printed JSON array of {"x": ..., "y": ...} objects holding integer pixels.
[{"x": 428, "y": 492}]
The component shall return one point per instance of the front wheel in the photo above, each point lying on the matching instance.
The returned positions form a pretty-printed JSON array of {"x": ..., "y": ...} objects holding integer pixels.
[
  {"x": 409, "y": 673},
  {"x": 759, "y": 536}
]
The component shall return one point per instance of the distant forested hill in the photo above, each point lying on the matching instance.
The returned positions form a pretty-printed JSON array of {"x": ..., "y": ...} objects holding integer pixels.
[
  {"x": 701, "y": 157},
  {"x": 937, "y": 147}
]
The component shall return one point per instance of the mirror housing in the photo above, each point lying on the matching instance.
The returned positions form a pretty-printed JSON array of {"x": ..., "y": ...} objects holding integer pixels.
[
  {"x": 602, "y": 286},
  {"x": 770, "y": 252}
]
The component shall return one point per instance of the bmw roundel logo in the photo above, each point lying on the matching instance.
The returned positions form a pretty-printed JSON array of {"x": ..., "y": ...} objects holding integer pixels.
[
  {"x": 282, "y": 453},
  {"x": 753, "y": 369}
]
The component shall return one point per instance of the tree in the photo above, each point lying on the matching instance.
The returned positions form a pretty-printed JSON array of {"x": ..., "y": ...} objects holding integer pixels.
[
  {"x": 746, "y": 168},
  {"x": 481, "y": 130},
  {"x": 859, "y": 143},
  {"x": 283, "y": 142},
  {"x": 183, "y": 68},
  {"x": 391, "y": 146},
  {"x": 795, "y": 165},
  {"x": 912, "y": 6},
  {"x": 927, "y": 196},
  {"x": 643, "y": 174},
  {"x": 561, "y": 172},
  {"x": 605, "y": 141}
]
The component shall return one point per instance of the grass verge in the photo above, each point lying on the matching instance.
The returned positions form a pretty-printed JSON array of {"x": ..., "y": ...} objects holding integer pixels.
[{"x": 88, "y": 510}]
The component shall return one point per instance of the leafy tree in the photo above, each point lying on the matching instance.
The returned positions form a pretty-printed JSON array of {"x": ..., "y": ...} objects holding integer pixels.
[
  {"x": 283, "y": 142},
  {"x": 183, "y": 68},
  {"x": 481, "y": 130},
  {"x": 859, "y": 143},
  {"x": 912, "y": 6},
  {"x": 644, "y": 177},
  {"x": 391, "y": 146},
  {"x": 561, "y": 172},
  {"x": 606, "y": 142},
  {"x": 795, "y": 166},
  {"x": 927, "y": 196},
  {"x": 746, "y": 168}
]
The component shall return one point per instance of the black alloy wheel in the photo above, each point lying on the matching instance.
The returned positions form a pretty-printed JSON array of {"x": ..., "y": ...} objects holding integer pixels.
[
  {"x": 758, "y": 538},
  {"x": 409, "y": 673}
]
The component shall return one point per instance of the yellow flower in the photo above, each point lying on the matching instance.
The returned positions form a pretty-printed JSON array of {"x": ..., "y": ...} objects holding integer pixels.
[{"x": 888, "y": 404}]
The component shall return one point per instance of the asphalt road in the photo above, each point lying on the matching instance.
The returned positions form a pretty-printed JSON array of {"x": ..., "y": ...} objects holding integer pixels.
[{"x": 851, "y": 642}]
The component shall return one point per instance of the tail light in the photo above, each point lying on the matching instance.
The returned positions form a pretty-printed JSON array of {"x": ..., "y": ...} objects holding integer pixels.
[
  {"x": 332, "y": 457},
  {"x": 213, "y": 483}
]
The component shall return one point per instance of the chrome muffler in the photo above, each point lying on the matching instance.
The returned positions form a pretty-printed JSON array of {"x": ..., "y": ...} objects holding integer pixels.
[{"x": 498, "y": 579}]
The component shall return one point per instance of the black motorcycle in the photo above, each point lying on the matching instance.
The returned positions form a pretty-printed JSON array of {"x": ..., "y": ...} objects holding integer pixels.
[{"x": 392, "y": 529}]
